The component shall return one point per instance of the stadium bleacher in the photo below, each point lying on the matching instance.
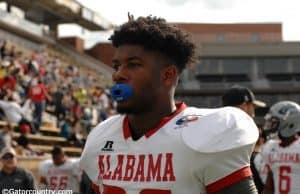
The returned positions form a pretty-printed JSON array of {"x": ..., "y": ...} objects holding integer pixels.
[{"x": 31, "y": 40}]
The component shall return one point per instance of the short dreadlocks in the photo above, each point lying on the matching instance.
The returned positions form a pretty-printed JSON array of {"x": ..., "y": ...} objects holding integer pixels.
[{"x": 156, "y": 34}]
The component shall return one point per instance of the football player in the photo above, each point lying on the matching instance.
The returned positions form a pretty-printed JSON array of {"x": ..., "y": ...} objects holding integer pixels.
[
  {"x": 157, "y": 146},
  {"x": 283, "y": 155},
  {"x": 60, "y": 173}
]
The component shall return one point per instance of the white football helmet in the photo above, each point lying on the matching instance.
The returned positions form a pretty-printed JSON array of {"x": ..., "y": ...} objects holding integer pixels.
[{"x": 284, "y": 118}]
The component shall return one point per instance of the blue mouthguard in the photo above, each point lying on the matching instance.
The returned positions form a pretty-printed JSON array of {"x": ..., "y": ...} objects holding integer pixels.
[{"x": 121, "y": 92}]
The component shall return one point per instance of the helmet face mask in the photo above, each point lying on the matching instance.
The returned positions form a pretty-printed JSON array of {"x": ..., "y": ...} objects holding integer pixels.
[
  {"x": 284, "y": 118},
  {"x": 271, "y": 124}
]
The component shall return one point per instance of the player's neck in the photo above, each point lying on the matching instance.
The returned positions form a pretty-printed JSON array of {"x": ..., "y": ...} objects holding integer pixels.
[{"x": 140, "y": 124}]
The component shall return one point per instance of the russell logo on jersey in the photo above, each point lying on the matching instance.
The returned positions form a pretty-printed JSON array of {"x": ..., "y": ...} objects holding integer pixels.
[{"x": 108, "y": 146}]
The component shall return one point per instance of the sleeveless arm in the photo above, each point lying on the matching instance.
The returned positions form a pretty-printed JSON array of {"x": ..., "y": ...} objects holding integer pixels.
[{"x": 269, "y": 186}]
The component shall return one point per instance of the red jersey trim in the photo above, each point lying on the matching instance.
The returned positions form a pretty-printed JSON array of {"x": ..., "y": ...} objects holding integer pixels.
[
  {"x": 126, "y": 130},
  {"x": 95, "y": 188},
  {"x": 229, "y": 180}
]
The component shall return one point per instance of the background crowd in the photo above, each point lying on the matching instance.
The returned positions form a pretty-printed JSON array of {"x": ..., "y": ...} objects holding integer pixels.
[{"x": 37, "y": 88}]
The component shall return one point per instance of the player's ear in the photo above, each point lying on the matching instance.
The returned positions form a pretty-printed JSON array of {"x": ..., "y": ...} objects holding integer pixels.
[{"x": 169, "y": 75}]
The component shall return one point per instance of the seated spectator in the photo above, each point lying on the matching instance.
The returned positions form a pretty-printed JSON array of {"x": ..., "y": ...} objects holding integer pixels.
[
  {"x": 86, "y": 119},
  {"x": 8, "y": 82},
  {"x": 74, "y": 139},
  {"x": 3, "y": 69},
  {"x": 102, "y": 103},
  {"x": 23, "y": 140},
  {"x": 76, "y": 109},
  {"x": 3, "y": 45},
  {"x": 5, "y": 137},
  {"x": 27, "y": 109},
  {"x": 13, "y": 112},
  {"x": 80, "y": 94},
  {"x": 65, "y": 128}
]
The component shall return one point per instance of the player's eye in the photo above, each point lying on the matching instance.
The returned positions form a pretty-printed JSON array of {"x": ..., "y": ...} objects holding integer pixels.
[
  {"x": 116, "y": 66},
  {"x": 133, "y": 65}
]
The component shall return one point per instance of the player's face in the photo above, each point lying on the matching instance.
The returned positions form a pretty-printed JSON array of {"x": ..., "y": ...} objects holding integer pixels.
[
  {"x": 251, "y": 109},
  {"x": 141, "y": 69},
  {"x": 59, "y": 159}
]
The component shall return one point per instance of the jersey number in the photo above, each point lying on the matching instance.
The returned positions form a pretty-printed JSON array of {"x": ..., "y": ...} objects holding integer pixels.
[
  {"x": 284, "y": 179},
  {"x": 59, "y": 183},
  {"x": 117, "y": 190}
]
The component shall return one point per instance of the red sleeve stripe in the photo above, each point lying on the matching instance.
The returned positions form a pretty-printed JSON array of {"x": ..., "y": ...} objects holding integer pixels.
[
  {"x": 95, "y": 188},
  {"x": 229, "y": 180}
]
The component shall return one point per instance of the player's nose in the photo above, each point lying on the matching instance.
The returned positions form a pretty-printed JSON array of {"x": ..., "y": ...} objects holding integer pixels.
[{"x": 120, "y": 75}]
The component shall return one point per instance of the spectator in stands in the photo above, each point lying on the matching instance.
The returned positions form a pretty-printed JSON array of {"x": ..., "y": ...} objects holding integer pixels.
[
  {"x": 65, "y": 127},
  {"x": 74, "y": 136},
  {"x": 3, "y": 45},
  {"x": 16, "y": 65},
  {"x": 243, "y": 98},
  {"x": 5, "y": 137},
  {"x": 33, "y": 67},
  {"x": 12, "y": 53},
  {"x": 67, "y": 103},
  {"x": 80, "y": 94},
  {"x": 13, "y": 112},
  {"x": 23, "y": 140},
  {"x": 27, "y": 109},
  {"x": 102, "y": 103},
  {"x": 76, "y": 109},
  {"x": 8, "y": 82},
  {"x": 12, "y": 176},
  {"x": 56, "y": 101},
  {"x": 38, "y": 94},
  {"x": 86, "y": 120},
  {"x": 19, "y": 69},
  {"x": 3, "y": 70}
]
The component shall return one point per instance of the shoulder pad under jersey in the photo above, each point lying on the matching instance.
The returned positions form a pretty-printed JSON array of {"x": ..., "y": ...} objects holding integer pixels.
[
  {"x": 268, "y": 146},
  {"x": 46, "y": 162},
  {"x": 43, "y": 166},
  {"x": 91, "y": 147},
  {"x": 105, "y": 125},
  {"x": 224, "y": 129}
]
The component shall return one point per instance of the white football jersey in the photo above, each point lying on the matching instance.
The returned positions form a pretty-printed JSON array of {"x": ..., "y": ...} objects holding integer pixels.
[
  {"x": 261, "y": 167},
  {"x": 193, "y": 151},
  {"x": 260, "y": 160},
  {"x": 62, "y": 177},
  {"x": 285, "y": 165}
]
